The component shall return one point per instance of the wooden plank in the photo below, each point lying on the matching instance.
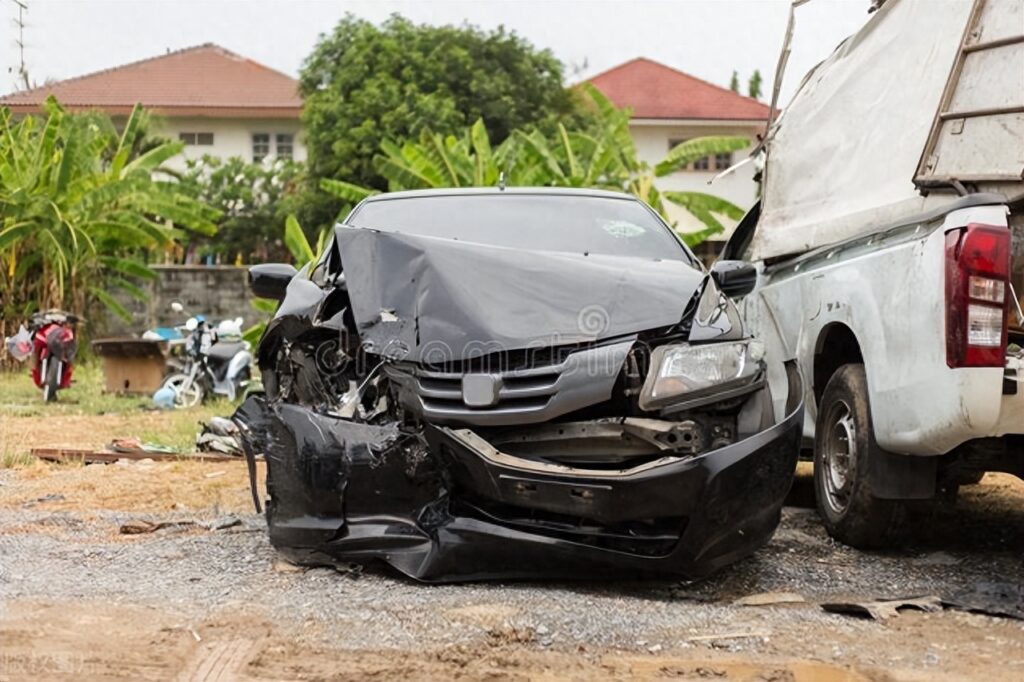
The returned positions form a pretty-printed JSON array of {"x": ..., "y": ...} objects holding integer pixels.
[{"x": 110, "y": 456}]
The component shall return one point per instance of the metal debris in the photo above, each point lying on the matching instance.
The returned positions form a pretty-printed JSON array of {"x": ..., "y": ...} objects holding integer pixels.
[
  {"x": 884, "y": 609},
  {"x": 770, "y": 598}
]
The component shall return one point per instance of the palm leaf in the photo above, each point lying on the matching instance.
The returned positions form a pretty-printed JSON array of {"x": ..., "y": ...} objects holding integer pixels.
[
  {"x": 698, "y": 201},
  {"x": 346, "y": 190},
  {"x": 295, "y": 240},
  {"x": 685, "y": 153},
  {"x": 111, "y": 302}
]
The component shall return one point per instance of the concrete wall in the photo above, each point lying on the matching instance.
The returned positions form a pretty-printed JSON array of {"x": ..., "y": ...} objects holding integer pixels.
[
  {"x": 231, "y": 136},
  {"x": 218, "y": 292},
  {"x": 652, "y": 144}
]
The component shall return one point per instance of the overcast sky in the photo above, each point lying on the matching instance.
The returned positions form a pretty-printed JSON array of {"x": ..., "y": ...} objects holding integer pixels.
[{"x": 707, "y": 38}]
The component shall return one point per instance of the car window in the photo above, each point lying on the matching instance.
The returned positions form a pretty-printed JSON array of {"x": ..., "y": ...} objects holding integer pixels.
[{"x": 556, "y": 222}]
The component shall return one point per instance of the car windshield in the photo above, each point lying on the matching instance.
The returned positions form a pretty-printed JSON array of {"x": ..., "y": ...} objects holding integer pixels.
[{"x": 552, "y": 222}]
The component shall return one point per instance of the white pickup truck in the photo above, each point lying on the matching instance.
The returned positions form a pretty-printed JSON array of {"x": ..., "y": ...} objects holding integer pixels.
[{"x": 889, "y": 246}]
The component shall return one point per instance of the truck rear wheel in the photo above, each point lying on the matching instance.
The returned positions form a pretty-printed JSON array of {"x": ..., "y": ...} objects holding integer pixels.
[{"x": 844, "y": 445}]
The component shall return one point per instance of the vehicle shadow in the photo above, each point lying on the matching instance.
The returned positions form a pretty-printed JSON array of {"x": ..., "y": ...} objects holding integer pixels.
[{"x": 985, "y": 516}]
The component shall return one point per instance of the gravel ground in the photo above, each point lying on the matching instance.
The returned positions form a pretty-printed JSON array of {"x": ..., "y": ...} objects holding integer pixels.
[{"x": 220, "y": 585}]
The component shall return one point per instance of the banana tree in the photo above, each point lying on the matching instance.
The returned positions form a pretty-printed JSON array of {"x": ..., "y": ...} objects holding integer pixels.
[{"x": 80, "y": 206}]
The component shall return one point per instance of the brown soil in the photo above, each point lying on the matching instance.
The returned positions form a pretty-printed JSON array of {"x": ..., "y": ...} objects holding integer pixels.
[
  {"x": 150, "y": 487},
  {"x": 101, "y": 641},
  {"x": 86, "y": 639}
]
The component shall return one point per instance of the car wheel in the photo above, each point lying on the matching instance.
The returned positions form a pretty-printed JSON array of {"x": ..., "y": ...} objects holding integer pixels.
[
  {"x": 844, "y": 446},
  {"x": 970, "y": 477}
]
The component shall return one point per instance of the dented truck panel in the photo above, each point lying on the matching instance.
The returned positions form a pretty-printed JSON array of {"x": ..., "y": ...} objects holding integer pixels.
[{"x": 466, "y": 410}]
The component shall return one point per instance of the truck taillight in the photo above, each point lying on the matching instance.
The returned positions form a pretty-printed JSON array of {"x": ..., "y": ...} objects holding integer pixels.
[{"x": 977, "y": 286}]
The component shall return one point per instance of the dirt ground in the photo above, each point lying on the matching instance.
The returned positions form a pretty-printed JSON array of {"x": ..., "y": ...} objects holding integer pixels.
[{"x": 80, "y": 600}]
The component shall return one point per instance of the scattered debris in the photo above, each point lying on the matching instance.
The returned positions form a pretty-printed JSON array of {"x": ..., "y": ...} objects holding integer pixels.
[
  {"x": 223, "y": 523},
  {"x": 140, "y": 527},
  {"x": 284, "y": 566},
  {"x": 107, "y": 456},
  {"x": 219, "y": 435},
  {"x": 53, "y": 497},
  {"x": 770, "y": 598},
  {"x": 215, "y": 474},
  {"x": 884, "y": 608},
  {"x": 991, "y": 598},
  {"x": 135, "y": 446}
]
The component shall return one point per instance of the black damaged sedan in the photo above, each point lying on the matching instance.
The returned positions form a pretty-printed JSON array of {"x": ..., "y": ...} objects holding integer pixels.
[{"x": 487, "y": 383}]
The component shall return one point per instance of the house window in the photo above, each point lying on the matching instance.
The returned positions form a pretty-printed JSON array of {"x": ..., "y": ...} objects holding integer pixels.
[
  {"x": 723, "y": 161},
  {"x": 204, "y": 139},
  {"x": 284, "y": 144},
  {"x": 260, "y": 146},
  {"x": 702, "y": 164}
]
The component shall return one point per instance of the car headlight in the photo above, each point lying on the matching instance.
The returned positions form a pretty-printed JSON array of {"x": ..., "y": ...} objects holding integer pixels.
[{"x": 684, "y": 373}]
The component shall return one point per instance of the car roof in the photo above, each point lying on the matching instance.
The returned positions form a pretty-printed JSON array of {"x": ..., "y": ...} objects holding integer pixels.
[{"x": 495, "y": 191}]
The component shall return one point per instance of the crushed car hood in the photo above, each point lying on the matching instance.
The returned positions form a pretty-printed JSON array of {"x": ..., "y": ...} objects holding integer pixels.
[{"x": 428, "y": 299}]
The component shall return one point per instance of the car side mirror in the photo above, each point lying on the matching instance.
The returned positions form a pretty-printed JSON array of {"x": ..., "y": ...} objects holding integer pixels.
[
  {"x": 734, "y": 278},
  {"x": 270, "y": 280}
]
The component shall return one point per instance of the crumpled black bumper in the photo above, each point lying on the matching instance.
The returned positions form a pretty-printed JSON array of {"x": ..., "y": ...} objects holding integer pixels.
[{"x": 440, "y": 510}]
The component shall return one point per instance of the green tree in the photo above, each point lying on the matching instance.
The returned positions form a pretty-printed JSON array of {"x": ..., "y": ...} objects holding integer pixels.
[
  {"x": 602, "y": 156},
  {"x": 365, "y": 84},
  {"x": 79, "y": 209},
  {"x": 754, "y": 84},
  {"x": 253, "y": 199},
  {"x": 734, "y": 82}
]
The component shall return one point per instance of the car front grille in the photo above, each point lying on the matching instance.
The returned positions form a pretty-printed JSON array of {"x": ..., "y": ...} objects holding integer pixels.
[{"x": 523, "y": 396}]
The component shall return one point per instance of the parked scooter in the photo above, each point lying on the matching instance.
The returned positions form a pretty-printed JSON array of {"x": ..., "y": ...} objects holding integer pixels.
[
  {"x": 50, "y": 340},
  {"x": 217, "y": 362}
]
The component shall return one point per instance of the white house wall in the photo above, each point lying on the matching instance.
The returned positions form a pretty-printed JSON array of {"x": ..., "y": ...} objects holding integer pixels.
[
  {"x": 651, "y": 138},
  {"x": 231, "y": 136}
]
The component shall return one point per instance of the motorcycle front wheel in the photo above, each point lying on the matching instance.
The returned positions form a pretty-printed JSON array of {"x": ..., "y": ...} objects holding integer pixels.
[
  {"x": 187, "y": 393},
  {"x": 51, "y": 381}
]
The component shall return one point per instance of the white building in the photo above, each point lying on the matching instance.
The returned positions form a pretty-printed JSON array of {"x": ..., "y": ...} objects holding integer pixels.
[
  {"x": 213, "y": 100},
  {"x": 669, "y": 107}
]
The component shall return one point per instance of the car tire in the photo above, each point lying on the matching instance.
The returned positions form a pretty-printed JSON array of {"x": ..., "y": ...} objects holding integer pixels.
[
  {"x": 844, "y": 445},
  {"x": 970, "y": 477}
]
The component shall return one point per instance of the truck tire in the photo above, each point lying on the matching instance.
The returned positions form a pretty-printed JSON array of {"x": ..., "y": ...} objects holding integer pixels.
[{"x": 844, "y": 445}]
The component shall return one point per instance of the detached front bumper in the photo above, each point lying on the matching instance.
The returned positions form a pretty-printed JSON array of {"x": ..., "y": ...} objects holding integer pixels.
[{"x": 454, "y": 508}]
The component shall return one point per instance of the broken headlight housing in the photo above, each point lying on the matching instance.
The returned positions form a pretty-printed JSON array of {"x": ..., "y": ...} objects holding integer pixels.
[{"x": 682, "y": 375}]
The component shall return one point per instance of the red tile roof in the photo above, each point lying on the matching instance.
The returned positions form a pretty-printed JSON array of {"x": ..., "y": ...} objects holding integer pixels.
[
  {"x": 653, "y": 90},
  {"x": 198, "y": 81}
]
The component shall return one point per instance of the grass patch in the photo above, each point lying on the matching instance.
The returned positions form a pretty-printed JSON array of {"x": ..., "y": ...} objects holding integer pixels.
[
  {"x": 84, "y": 416},
  {"x": 11, "y": 460},
  {"x": 20, "y": 397}
]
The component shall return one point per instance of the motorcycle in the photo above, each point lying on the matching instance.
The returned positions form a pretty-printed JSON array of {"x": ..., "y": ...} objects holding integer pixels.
[
  {"x": 50, "y": 339},
  {"x": 217, "y": 362}
]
